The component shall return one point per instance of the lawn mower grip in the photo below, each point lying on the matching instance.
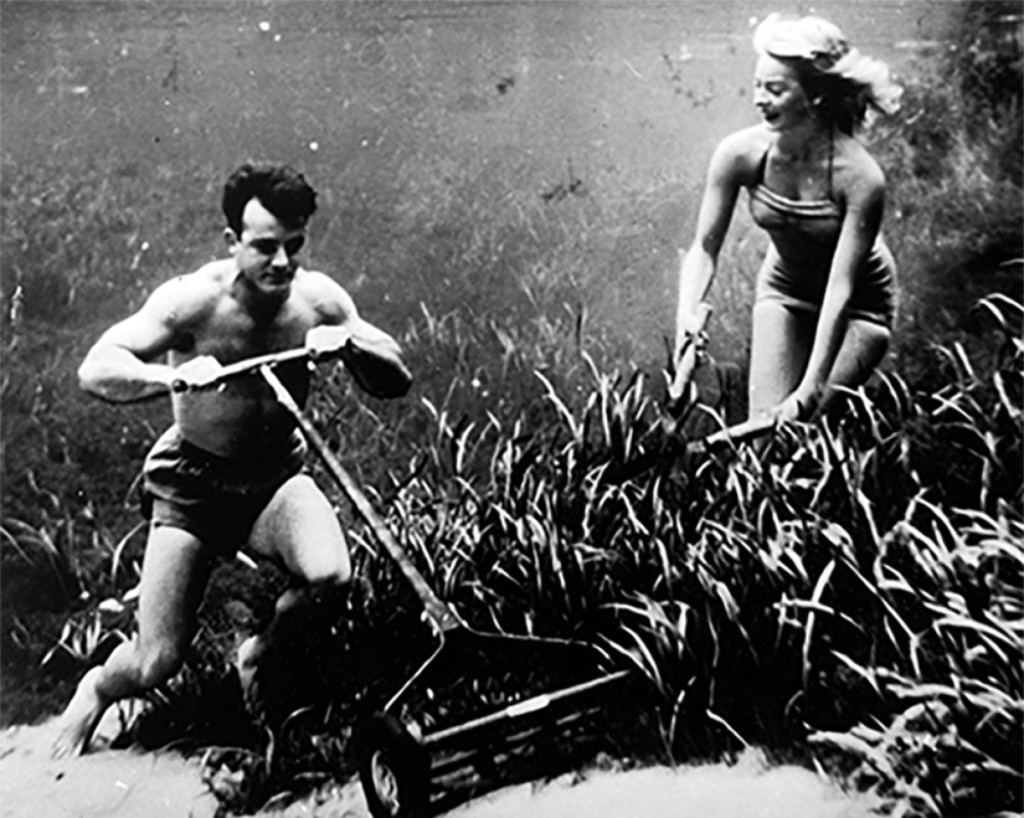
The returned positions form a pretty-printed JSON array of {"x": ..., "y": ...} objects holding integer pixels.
[{"x": 253, "y": 365}]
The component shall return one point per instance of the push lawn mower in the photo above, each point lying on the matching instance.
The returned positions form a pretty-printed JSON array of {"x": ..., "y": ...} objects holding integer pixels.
[
  {"x": 482, "y": 709},
  {"x": 421, "y": 753},
  {"x": 479, "y": 710}
]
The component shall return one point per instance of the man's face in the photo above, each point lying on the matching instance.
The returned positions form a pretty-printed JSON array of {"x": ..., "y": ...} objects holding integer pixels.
[{"x": 265, "y": 251}]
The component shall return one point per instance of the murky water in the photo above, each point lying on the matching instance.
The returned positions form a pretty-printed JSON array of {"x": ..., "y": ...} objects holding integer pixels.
[
  {"x": 378, "y": 101},
  {"x": 640, "y": 85}
]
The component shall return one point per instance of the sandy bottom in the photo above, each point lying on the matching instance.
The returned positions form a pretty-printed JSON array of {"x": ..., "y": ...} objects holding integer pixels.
[
  {"x": 715, "y": 791},
  {"x": 119, "y": 783},
  {"x": 128, "y": 784}
]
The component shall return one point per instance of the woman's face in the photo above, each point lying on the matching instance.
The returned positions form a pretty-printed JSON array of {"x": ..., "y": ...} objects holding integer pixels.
[{"x": 778, "y": 95}]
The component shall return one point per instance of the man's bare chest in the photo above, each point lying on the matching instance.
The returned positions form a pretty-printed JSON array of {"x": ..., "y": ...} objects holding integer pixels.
[{"x": 230, "y": 334}]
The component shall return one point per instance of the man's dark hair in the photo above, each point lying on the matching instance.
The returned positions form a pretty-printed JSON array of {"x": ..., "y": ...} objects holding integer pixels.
[{"x": 280, "y": 189}]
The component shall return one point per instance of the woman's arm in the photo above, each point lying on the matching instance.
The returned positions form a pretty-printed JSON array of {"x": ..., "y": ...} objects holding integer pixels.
[
  {"x": 698, "y": 265},
  {"x": 865, "y": 204}
]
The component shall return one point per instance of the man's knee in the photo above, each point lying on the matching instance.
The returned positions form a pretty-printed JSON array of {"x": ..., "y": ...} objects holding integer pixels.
[
  {"x": 301, "y": 528},
  {"x": 324, "y": 590},
  {"x": 159, "y": 664},
  {"x": 334, "y": 576}
]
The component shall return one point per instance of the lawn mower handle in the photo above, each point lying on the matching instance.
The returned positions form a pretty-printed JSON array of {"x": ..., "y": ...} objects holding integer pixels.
[
  {"x": 255, "y": 364},
  {"x": 441, "y": 617}
]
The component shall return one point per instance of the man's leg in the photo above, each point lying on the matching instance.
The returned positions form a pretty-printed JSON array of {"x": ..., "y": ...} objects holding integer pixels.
[
  {"x": 174, "y": 573},
  {"x": 301, "y": 530}
]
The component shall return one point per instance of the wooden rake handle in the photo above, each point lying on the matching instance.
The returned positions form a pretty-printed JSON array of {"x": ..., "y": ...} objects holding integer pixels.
[{"x": 733, "y": 435}]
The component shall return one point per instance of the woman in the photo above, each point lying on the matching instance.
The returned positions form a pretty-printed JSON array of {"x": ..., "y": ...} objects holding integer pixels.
[{"x": 825, "y": 292}]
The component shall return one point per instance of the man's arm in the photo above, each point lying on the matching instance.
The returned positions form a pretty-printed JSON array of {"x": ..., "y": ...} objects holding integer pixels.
[
  {"x": 121, "y": 366},
  {"x": 371, "y": 355}
]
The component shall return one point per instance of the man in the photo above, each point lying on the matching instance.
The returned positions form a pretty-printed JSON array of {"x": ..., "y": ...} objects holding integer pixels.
[{"x": 229, "y": 471}]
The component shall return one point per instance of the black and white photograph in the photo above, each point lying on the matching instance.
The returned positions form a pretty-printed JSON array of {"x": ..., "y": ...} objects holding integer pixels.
[{"x": 504, "y": 408}]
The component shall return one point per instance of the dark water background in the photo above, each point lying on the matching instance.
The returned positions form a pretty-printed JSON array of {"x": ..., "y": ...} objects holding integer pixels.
[
  {"x": 636, "y": 87},
  {"x": 399, "y": 108}
]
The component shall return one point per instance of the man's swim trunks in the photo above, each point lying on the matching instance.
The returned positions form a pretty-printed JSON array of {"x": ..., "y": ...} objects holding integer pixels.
[{"x": 211, "y": 497}]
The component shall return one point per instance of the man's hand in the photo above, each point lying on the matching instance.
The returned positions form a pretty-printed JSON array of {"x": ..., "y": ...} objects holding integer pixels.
[
  {"x": 327, "y": 340},
  {"x": 198, "y": 373}
]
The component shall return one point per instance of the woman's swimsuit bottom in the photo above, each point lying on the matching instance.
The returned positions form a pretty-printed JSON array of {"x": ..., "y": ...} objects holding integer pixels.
[{"x": 799, "y": 282}]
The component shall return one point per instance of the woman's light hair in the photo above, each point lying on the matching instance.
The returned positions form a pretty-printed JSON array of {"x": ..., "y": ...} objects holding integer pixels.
[{"x": 821, "y": 50}]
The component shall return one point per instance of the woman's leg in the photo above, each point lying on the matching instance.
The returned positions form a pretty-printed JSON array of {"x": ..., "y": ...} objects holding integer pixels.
[
  {"x": 780, "y": 346},
  {"x": 864, "y": 345}
]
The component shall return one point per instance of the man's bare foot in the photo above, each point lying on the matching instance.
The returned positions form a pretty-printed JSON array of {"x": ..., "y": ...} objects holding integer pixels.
[
  {"x": 80, "y": 717},
  {"x": 247, "y": 663}
]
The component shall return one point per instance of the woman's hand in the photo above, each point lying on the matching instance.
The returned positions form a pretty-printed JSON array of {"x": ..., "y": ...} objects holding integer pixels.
[
  {"x": 800, "y": 405},
  {"x": 690, "y": 330}
]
